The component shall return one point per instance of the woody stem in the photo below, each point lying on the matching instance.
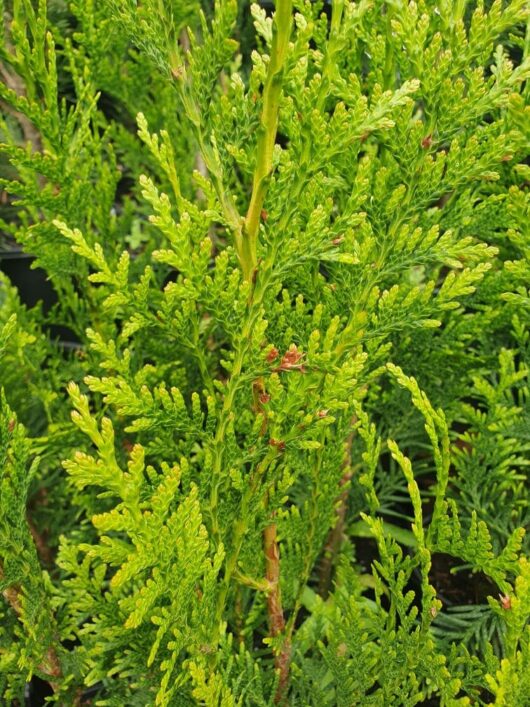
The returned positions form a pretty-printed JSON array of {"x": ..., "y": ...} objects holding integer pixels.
[{"x": 275, "y": 608}]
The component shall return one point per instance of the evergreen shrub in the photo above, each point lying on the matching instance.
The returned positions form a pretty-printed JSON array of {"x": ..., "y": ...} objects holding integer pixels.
[{"x": 269, "y": 443}]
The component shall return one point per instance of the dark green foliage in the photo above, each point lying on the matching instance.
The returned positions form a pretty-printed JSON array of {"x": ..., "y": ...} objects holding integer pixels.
[{"x": 283, "y": 458}]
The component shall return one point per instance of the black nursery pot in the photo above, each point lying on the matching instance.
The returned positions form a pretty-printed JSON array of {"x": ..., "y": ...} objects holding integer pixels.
[
  {"x": 36, "y": 692},
  {"x": 34, "y": 286}
]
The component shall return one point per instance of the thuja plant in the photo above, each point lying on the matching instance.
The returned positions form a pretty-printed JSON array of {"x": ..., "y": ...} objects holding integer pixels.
[{"x": 286, "y": 461}]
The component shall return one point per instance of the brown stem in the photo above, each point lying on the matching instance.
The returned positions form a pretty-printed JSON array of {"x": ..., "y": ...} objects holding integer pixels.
[
  {"x": 51, "y": 667},
  {"x": 336, "y": 533},
  {"x": 275, "y": 609}
]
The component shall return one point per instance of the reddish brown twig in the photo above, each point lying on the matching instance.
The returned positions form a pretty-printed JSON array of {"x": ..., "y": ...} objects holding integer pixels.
[
  {"x": 275, "y": 609},
  {"x": 336, "y": 533}
]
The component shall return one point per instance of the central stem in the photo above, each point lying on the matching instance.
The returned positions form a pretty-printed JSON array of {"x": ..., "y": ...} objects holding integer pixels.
[
  {"x": 267, "y": 132},
  {"x": 275, "y": 608}
]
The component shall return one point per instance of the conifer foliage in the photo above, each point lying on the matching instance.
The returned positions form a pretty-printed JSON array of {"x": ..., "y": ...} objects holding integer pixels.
[{"x": 283, "y": 456}]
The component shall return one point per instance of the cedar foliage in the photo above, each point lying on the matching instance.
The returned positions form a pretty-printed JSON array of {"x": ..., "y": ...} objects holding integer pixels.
[{"x": 292, "y": 248}]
